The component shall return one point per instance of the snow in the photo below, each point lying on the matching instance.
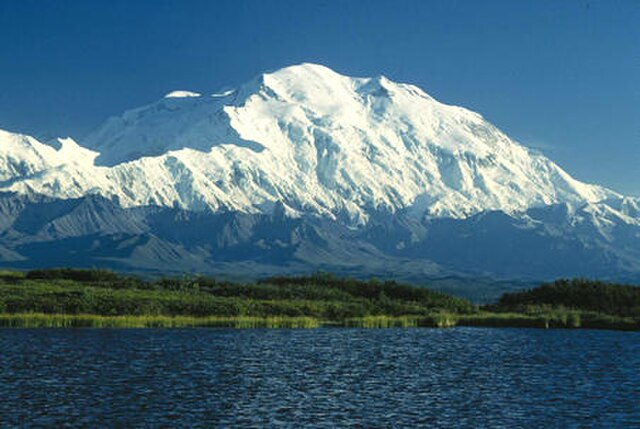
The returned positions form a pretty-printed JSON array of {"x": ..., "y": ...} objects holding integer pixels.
[
  {"x": 314, "y": 140},
  {"x": 223, "y": 93},
  {"x": 182, "y": 94}
]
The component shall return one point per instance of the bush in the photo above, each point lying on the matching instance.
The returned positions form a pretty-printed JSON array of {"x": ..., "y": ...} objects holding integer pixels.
[{"x": 578, "y": 294}]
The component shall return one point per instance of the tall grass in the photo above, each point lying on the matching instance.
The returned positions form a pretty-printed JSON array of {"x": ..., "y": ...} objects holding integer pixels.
[
  {"x": 61, "y": 298},
  {"x": 549, "y": 320},
  {"x": 436, "y": 320},
  {"x": 41, "y": 320},
  {"x": 381, "y": 322}
]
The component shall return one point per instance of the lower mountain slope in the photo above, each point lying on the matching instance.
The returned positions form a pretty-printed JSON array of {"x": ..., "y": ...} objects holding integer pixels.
[
  {"x": 304, "y": 169},
  {"x": 536, "y": 245}
]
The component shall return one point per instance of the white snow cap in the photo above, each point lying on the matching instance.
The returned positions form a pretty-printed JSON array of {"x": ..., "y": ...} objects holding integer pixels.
[
  {"x": 318, "y": 142},
  {"x": 181, "y": 94}
]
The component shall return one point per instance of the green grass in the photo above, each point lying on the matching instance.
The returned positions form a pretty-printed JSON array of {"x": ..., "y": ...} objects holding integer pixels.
[
  {"x": 439, "y": 320},
  {"x": 550, "y": 320},
  {"x": 97, "y": 298},
  {"x": 41, "y": 320},
  {"x": 381, "y": 322},
  {"x": 328, "y": 299},
  {"x": 436, "y": 320}
]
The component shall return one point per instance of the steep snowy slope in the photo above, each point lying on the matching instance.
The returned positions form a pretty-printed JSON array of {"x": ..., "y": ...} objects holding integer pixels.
[
  {"x": 305, "y": 169},
  {"x": 319, "y": 142},
  {"x": 61, "y": 168}
]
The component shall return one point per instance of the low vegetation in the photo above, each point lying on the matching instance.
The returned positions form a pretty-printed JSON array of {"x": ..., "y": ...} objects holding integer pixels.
[
  {"x": 587, "y": 295},
  {"x": 98, "y": 298}
]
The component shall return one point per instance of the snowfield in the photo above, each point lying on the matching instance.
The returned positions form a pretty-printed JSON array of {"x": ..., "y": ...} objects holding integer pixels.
[{"x": 311, "y": 140}]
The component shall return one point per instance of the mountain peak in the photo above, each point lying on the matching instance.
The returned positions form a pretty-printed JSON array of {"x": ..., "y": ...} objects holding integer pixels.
[
  {"x": 305, "y": 69},
  {"x": 182, "y": 94},
  {"x": 321, "y": 143}
]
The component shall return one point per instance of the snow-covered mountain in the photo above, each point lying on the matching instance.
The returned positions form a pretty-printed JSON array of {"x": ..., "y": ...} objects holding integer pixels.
[
  {"x": 308, "y": 137},
  {"x": 309, "y": 143}
]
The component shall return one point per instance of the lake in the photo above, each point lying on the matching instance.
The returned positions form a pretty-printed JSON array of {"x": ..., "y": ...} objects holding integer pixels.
[{"x": 459, "y": 377}]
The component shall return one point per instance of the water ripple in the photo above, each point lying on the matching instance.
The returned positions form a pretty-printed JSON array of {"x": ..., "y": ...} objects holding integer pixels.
[{"x": 461, "y": 377}]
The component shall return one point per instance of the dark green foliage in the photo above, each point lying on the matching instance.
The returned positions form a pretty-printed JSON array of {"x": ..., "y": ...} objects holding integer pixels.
[
  {"x": 388, "y": 291},
  {"x": 578, "y": 294},
  {"x": 94, "y": 275},
  {"x": 69, "y": 291},
  {"x": 68, "y": 297}
]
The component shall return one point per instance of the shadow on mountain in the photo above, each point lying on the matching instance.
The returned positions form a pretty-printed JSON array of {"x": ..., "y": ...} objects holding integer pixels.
[{"x": 95, "y": 232}]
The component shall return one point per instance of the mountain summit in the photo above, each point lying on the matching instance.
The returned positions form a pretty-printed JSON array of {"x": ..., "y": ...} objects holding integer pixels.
[
  {"x": 310, "y": 138},
  {"x": 309, "y": 166}
]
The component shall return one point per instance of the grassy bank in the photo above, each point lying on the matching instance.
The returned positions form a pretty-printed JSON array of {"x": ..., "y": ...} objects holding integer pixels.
[
  {"x": 321, "y": 297},
  {"x": 493, "y": 320},
  {"x": 42, "y": 320},
  {"x": 94, "y": 298},
  {"x": 551, "y": 320}
]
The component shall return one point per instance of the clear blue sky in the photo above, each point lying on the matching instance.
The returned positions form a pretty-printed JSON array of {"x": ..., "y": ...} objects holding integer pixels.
[{"x": 563, "y": 76}]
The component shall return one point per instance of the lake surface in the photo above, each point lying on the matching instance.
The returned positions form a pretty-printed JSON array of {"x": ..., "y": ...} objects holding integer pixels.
[{"x": 460, "y": 377}]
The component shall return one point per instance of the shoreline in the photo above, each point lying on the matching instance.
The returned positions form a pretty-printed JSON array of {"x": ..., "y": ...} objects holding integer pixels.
[
  {"x": 68, "y": 298},
  {"x": 441, "y": 320}
]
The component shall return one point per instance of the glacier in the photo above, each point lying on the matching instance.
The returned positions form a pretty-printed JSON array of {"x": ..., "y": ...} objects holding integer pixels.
[
  {"x": 312, "y": 145},
  {"x": 308, "y": 137}
]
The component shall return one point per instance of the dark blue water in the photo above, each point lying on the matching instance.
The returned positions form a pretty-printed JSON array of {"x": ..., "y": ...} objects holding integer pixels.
[{"x": 460, "y": 377}]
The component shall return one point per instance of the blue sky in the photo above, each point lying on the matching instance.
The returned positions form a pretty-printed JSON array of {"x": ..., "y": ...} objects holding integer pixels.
[{"x": 562, "y": 76}]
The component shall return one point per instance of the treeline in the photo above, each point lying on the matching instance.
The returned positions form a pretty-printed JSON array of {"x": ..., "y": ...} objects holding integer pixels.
[
  {"x": 93, "y": 275},
  {"x": 578, "y": 294},
  {"x": 320, "y": 286},
  {"x": 70, "y": 291},
  {"x": 372, "y": 290},
  {"x": 44, "y": 297}
]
